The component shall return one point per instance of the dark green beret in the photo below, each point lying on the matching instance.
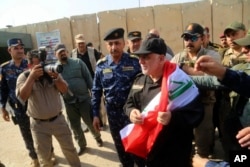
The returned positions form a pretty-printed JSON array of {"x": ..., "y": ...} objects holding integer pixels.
[{"x": 114, "y": 33}]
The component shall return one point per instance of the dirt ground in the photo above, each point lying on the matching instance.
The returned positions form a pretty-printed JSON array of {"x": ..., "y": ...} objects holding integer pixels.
[{"x": 14, "y": 154}]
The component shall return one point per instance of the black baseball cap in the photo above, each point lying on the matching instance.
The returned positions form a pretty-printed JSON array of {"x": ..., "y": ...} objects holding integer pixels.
[
  {"x": 193, "y": 29},
  {"x": 152, "y": 45},
  {"x": 59, "y": 47}
]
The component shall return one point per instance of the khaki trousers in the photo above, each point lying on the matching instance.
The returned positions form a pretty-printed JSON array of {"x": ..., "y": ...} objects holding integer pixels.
[{"x": 42, "y": 134}]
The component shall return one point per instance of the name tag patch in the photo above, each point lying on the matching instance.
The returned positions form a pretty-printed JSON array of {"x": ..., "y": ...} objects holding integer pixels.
[{"x": 128, "y": 68}]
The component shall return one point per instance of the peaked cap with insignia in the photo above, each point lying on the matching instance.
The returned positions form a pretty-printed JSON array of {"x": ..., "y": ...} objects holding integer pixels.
[
  {"x": 134, "y": 35},
  {"x": 14, "y": 42},
  {"x": 114, "y": 33}
]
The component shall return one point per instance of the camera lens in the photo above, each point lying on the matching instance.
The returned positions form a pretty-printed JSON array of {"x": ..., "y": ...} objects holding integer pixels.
[{"x": 56, "y": 68}]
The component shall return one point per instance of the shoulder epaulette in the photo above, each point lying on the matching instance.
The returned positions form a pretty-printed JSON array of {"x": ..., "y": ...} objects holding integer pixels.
[
  {"x": 139, "y": 74},
  {"x": 101, "y": 60},
  {"x": 133, "y": 56},
  {"x": 140, "y": 78},
  {"x": 5, "y": 63},
  {"x": 222, "y": 52}
]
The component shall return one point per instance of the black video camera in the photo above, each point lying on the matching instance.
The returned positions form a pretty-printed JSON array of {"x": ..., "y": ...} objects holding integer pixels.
[{"x": 50, "y": 64}]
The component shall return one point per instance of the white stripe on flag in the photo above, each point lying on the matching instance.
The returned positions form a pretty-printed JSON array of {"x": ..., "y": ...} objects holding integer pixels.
[{"x": 126, "y": 130}]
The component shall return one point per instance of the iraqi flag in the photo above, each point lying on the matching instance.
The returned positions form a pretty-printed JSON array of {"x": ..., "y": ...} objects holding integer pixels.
[{"x": 177, "y": 91}]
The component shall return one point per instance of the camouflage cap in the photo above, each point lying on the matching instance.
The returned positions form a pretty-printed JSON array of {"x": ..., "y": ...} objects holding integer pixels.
[
  {"x": 235, "y": 26},
  {"x": 244, "y": 41},
  {"x": 79, "y": 38}
]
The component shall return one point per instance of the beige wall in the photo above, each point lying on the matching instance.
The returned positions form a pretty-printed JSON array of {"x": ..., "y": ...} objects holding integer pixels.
[{"x": 170, "y": 20}]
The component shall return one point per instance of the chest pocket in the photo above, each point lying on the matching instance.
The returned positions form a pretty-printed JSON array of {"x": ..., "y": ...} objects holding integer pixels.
[
  {"x": 108, "y": 74},
  {"x": 138, "y": 94},
  {"x": 11, "y": 77}
]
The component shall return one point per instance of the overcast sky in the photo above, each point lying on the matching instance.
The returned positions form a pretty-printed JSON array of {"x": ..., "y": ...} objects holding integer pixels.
[{"x": 22, "y": 12}]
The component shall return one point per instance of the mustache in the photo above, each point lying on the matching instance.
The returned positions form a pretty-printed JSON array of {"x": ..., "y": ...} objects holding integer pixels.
[
  {"x": 190, "y": 45},
  {"x": 64, "y": 58},
  {"x": 114, "y": 51}
]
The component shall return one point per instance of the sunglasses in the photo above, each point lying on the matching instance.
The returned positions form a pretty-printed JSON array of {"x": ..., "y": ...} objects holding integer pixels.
[{"x": 192, "y": 38}]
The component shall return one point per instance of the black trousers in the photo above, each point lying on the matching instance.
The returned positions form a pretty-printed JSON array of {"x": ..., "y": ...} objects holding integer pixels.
[{"x": 117, "y": 120}]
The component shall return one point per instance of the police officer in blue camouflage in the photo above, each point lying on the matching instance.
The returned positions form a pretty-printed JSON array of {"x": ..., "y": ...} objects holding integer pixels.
[
  {"x": 114, "y": 76},
  {"x": 10, "y": 70}
]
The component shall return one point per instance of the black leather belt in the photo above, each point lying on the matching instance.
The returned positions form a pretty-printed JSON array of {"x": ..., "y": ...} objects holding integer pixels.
[{"x": 48, "y": 120}]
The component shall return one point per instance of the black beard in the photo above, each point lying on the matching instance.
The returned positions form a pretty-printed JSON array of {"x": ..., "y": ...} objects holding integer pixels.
[{"x": 64, "y": 58}]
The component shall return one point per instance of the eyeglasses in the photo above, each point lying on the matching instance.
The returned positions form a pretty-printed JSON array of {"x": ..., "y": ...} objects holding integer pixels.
[{"x": 192, "y": 38}]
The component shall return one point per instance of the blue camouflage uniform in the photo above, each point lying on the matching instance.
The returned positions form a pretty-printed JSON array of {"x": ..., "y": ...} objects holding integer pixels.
[
  {"x": 9, "y": 74},
  {"x": 115, "y": 81}
]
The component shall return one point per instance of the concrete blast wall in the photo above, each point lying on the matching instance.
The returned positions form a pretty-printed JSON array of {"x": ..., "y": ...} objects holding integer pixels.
[{"x": 170, "y": 20}]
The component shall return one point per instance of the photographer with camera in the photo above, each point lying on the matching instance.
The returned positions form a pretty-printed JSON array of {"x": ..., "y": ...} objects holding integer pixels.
[
  {"x": 78, "y": 99},
  {"x": 41, "y": 87},
  {"x": 10, "y": 70}
]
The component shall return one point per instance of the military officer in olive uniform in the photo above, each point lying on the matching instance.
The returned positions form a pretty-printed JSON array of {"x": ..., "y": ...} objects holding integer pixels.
[
  {"x": 233, "y": 55},
  {"x": 114, "y": 76}
]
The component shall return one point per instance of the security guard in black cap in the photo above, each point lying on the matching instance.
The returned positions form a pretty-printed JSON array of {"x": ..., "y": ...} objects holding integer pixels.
[
  {"x": 134, "y": 41},
  {"x": 193, "y": 38},
  {"x": 114, "y": 76}
]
